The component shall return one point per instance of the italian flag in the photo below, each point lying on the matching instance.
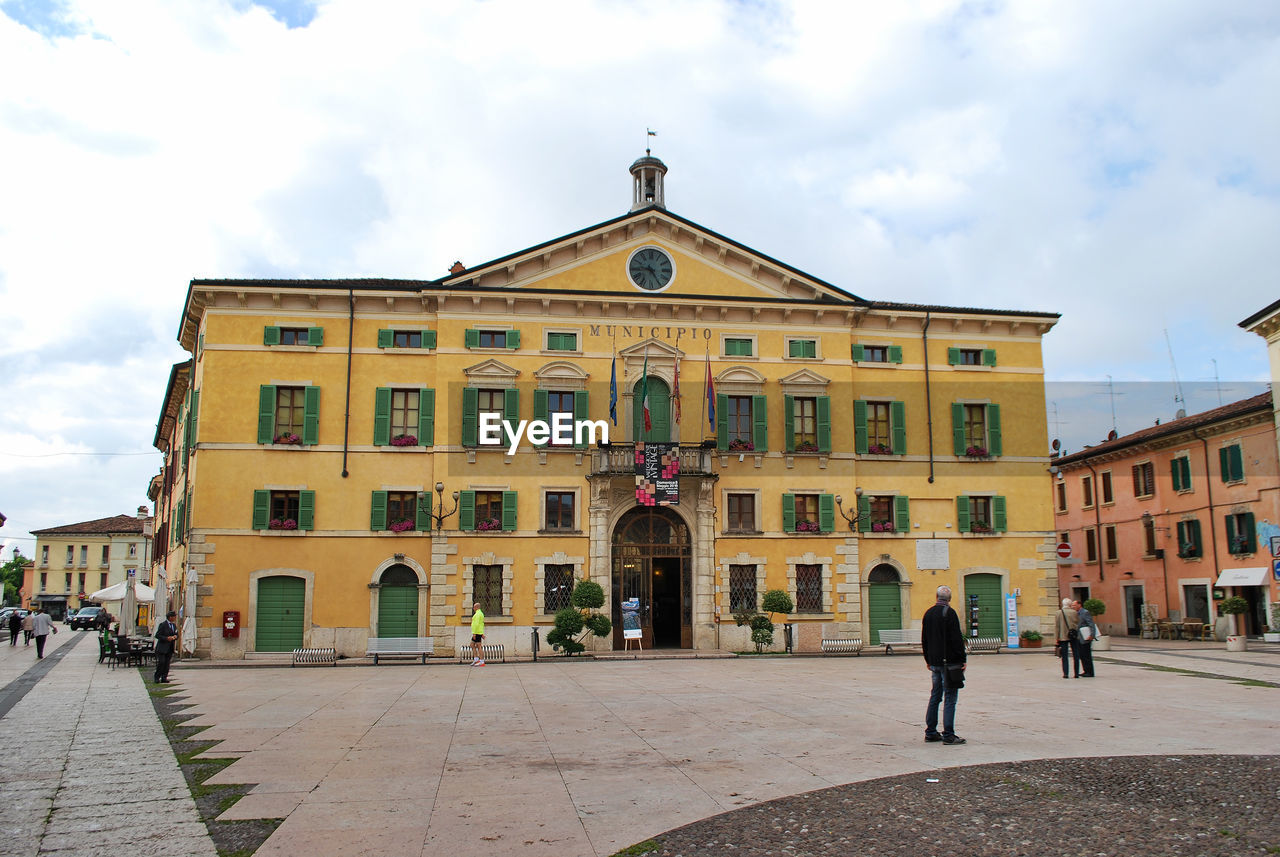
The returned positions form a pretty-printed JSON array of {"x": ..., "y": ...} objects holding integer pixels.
[{"x": 644, "y": 394}]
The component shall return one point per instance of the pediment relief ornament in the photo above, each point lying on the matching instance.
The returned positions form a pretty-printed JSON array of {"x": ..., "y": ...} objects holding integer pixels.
[
  {"x": 804, "y": 382},
  {"x": 740, "y": 381},
  {"x": 562, "y": 375},
  {"x": 491, "y": 370},
  {"x": 661, "y": 355}
]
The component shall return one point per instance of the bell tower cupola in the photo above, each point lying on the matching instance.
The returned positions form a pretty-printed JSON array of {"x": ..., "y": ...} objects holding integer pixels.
[{"x": 646, "y": 183}]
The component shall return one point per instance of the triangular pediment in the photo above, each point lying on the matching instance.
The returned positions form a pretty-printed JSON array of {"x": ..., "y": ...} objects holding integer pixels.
[
  {"x": 491, "y": 370},
  {"x": 654, "y": 349},
  {"x": 562, "y": 375},
  {"x": 804, "y": 382}
]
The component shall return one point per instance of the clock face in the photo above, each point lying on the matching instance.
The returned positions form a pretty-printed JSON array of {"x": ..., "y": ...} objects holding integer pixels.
[{"x": 651, "y": 269}]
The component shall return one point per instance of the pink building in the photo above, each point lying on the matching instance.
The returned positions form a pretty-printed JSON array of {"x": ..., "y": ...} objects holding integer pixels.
[{"x": 1179, "y": 515}]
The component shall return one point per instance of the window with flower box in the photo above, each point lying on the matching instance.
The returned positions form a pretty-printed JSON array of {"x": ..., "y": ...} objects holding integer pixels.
[
  {"x": 884, "y": 513},
  {"x": 976, "y": 431},
  {"x": 808, "y": 588},
  {"x": 573, "y": 404},
  {"x": 742, "y": 423},
  {"x": 288, "y": 416},
  {"x": 879, "y": 428},
  {"x": 1242, "y": 538},
  {"x": 557, "y": 587},
  {"x": 283, "y": 510},
  {"x": 274, "y": 335},
  {"x": 404, "y": 417},
  {"x": 502, "y": 404},
  {"x": 410, "y": 338},
  {"x": 807, "y": 423},
  {"x": 400, "y": 511},
  {"x": 877, "y": 353},
  {"x": 487, "y": 338},
  {"x": 487, "y": 511},
  {"x": 1231, "y": 463},
  {"x": 1189, "y": 544},
  {"x": 486, "y": 588},
  {"x": 808, "y": 513},
  {"x": 981, "y": 513}
]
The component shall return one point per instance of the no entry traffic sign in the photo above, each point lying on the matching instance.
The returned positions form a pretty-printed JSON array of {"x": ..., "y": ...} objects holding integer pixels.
[{"x": 1064, "y": 550}]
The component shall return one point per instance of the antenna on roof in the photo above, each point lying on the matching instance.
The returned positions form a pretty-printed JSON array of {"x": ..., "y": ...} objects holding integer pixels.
[
  {"x": 1177, "y": 385},
  {"x": 1111, "y": 391},
  {"x": 1217, "y": 382}
]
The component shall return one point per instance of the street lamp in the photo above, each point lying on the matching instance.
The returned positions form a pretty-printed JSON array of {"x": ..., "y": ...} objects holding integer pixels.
[
  {"x": 439, "y": 517},
  {"x": 857, "y": 516}
]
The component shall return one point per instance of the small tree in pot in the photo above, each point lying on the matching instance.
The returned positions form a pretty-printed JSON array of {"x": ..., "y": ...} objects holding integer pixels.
[
  {"x": 581, "y": 618},
  {"x": 774, "y": 601},
  {"x": 1234, "y": 606}
]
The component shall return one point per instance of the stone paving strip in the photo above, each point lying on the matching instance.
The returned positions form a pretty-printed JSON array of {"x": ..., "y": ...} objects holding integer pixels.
[{"x": 89, "y": 770}]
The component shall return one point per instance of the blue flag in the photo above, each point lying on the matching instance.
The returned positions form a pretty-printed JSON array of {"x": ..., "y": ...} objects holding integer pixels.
[
  {"x": 613, "y": 390},
  {"x": 711, "y": 394}
]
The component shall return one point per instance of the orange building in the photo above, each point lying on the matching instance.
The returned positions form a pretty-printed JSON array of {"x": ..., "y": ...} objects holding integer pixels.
[{"x": 1175, "y": 517}]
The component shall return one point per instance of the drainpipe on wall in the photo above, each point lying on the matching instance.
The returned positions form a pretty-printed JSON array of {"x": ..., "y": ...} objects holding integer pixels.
[
  {"x": 346, "y": 419},
  {"x": 1097, "y": 522},
  {"x": 1213, "y": 529},
  {"x": 928, "y": 400}
]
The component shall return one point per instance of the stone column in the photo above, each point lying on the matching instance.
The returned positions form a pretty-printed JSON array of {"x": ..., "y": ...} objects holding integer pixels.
[{"x": 444, "y": 585}]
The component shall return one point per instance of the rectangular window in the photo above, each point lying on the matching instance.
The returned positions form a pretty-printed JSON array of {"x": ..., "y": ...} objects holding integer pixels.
[
  {"x": 402, "y": 510},
  {"x": 975, "y": 429},
  {"x": 879, "y": 434},
  {"x": 84, "y": 555},
  {"x": 44, "y": 581},
  {"x": 1144, "y": 482},
  {"x": 1086, "y": 491},
  {"x": 742, "y": 589},
  {"x": 404, "y": 414},
  {"x": 1108, "y": 496},
  {"x": 740, "y": 423},
  {"x": 133, "y": 549},
  {"x": 1241, "y": 537},
  {"x": 880, "y": 509},
  {"x": 102, "y": 583},
  {"x": 493, "y": 339},
  {"x": 1090, "y": 545},
  {"x": 414, "y": 338},
  {"x": 807, "y": 513},
  {"x": 293, "y": 336},
  {"x": 806, "y": 424},
  {"x": 291, "y": 411},
  {"x": 559, "y": 509},
  {"x": 1180, "y": 468},
  {"x": 67, "y": 588},
  {"x": 557, "y": 586},
  {"x": 44, "y": 554},
  {"x": 1148, "y": 536},
  {"x": 560, "y": 402},
  {"x": 488, "y": 510},
  {"x": 486, "y": 585},
  {"x": 734, "y": 347},
  {"x": 490, "y": 402},
  {"x": 982, "y": 514},
  {"x": 802, "y": 348},
  {"x": 562, "y": 342},
  {"x": 1189, "y": 546},
  {"x": 808, "y": 589},
  {"x": 971, "y": 356},
  {"x": 71, "y": 556},
  {"x": 875, "y": 354},
  {"x": 82, "y": 577},
  {"x": 106, "y": 555},
  {"x": 1109, "y": 541},
  {"x": 284, "y": 510},
  {"x": 1231, "y": 461},
  {"x": 742, "y": 513},
  {"x": 1060, "y": 492}
]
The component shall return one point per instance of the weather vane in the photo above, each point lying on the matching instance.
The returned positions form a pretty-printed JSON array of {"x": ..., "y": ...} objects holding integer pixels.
[{"x": 649, "y": 132}]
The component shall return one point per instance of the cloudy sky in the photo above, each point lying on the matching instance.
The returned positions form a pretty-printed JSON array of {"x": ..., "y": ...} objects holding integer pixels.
[{"x": 1118, "y": 163}]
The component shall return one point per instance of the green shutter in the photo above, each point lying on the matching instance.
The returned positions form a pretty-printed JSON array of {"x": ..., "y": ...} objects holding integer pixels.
[
  {"x": 270, "y": 335},
  {"x": 581, "y": 413},
  {"x": 1250, "y": 532},
  {"x": 826, "y": 513},
  {"x": 860, "y": 443},
  {"x": 466, "y": 510},
  {"x": 378, "y": 511},
  {"x": 1193, "y": 533},
  {"x": 988, "y": 357},
  {"x": 315, "y": 336},
  {"x": 722, "y": 422},
  {"x": 999, "y": 514},
  {"x": 1224, "y": 463},
  {"x": 422, "y": 512},
  {"x": 953, "y": 356},
  {"x": 513, "y": 339},
  {"x": 824, "y": 423},
  {"x": 858, "y": 353},
  {"x": 795, "y": 348},
  {"x": 311, "y": 416},
  {"x": 957, "y": 427},
  {"x": 962, "y": 513},
  {"x": 760, "y": 423},
  {"x": 864, "y": 514},
  {"x": 1182, "y": 535},
  {"x": 1186, "y": 473},
  {"x": 306, "y": 510},
  {"x": 470, "y": 416},
  {"x": 789, "y": 422},
  {"x": 902, "y": 514},
  {"x": 1236, "y": 457},
  {"x": 382, "y": 416},
  {"x": 995, "y": 442},
  {"x": 426, "y": 417},
  {"x": 428, "y": 339},
  {"x": 1175, "y": 470},
  {"x": 193, "y": 417},
  {"x": 895, "y": 353},
  {"x": 789, "y": 512},
  {"x": 898, "y": 427},
  {"x": 471, "y": 338},
  {"x": 266, "y": 413},
  {"x": 508, "y": 511},
  {"x": 540, "y": 406},
  {"x": 386, "y": 337},
  {"x": 510, "y": 408}
]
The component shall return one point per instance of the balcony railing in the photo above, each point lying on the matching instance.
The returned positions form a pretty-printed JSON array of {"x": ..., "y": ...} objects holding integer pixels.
[{"x": 619, "y": 459}]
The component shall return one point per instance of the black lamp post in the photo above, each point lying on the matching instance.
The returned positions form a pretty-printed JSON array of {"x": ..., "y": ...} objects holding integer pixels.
[
  {"x": 857, "y": 516},
  {"x": 440, "y": 516}
]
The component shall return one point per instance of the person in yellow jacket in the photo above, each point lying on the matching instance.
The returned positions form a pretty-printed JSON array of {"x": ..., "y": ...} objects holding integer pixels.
[{"x": 477, "y": 635}]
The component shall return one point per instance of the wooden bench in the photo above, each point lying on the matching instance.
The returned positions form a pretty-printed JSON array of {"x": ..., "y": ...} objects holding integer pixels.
[
  {"x": 842, "y": 647},
  {"x": 899, "y": 637},
  {"x": 490, "y": 652},
  {"x": 984, "y": 644},
  {"x": 315, "y": 656},
  {"x": 400, "y": 647}
]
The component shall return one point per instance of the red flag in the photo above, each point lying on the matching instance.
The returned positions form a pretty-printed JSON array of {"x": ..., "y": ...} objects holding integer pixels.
[
  {"x": 711, "y": 394},
  {"x": 644, "y": 394}
]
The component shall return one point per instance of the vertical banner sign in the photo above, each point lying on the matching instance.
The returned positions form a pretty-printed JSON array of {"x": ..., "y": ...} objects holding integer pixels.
[
  {"x": 1011, "y": 620},
  {"x": 657, "y": 474}
]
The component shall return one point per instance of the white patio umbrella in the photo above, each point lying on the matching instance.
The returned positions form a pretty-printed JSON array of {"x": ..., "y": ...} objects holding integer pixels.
[
  {"x": 116, "y": 591},
  {"x": 162, "y": 599},
  {"x": 189, "y": 615},
  {"x": 129, "y": 610}
]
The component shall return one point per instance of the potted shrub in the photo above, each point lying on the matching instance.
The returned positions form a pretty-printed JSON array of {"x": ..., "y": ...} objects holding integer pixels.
[
  {"x": 581, "y": 619},
  {"x": 1031, "y": 639},
  {"x": 1273, "y": 624},
  {"x": 774, "y": 601},
  {"x": 1096, "y": 607},
  {"x": 1234, "y": 606}
]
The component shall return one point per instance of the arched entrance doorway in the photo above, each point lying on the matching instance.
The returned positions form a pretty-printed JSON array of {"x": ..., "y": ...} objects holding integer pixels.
[
  {"x": 884, "y": 601},
  {"x": 398, "y": 602},
  {"x": 659, "y": 411},
  {"x": 652, "y": 563}
]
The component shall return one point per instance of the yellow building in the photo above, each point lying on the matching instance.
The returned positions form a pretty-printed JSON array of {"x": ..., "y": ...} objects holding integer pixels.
[
  {"x": 327, "y": 479},
  {"x": 75, "y": 560}
]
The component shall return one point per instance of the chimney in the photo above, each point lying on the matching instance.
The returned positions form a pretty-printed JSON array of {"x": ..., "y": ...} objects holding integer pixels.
[
  {"x": 457, "y": 268},
  {"x": 143, "y": 512}
]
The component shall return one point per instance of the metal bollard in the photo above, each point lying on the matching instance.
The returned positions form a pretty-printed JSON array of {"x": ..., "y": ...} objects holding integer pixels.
[
  {"x": 788, "y": 635},
  {"x": 533, "y": 645}
]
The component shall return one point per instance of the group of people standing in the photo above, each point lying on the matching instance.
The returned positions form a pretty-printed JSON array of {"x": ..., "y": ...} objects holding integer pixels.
[{"x": 1074, "y": 633}]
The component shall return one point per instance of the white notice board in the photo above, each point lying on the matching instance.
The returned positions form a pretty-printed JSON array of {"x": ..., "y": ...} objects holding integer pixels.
[{"x": 933, "y": 554}]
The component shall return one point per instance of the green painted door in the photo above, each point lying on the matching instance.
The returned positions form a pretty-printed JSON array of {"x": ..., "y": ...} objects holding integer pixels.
[
  {"x": 884, "y": 609},
  {"x": 398, "y": 611},
  {"x": 990, "y": 605},
  {"x": 659, "y": 412},
  {"x": 279, "y": 619}
]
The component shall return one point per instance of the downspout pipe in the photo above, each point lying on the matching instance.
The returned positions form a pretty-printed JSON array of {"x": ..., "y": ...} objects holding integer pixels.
[
  {"x": 346, "y": 418},
  {"x": 1208, "y": 484},
  {"x": 928, "y": 399},
  {"x": 1097, "y": 522}
]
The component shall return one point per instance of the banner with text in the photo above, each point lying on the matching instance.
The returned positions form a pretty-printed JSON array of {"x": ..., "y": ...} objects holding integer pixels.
[{"x": 657, "y": 474}]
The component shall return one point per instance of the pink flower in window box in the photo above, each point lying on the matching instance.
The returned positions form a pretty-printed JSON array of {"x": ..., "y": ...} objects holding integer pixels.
[
  {"x": 740, "y": 445},
  {"x": 288, "y": 438},
  {"x": 882, "y": 527},
  {"x": 807, "y": 527},
  {"x": 404, "y": 440},
  {"x": 489, "y": 524},
  {"x": 283, "y": 524},
  {"x": 401, "y": 525},
  {"x": 806, "y": 446},
  {"x": 976, "y": 452},
  {"x": 879, "y": 449}
]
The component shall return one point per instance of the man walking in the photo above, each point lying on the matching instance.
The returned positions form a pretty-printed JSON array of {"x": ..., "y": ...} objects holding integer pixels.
[
  {"x": 943, "y": 646},
  {"x": 166, "y": 638},
  {"x": 1088, "y": 632},
  {"x": 477, "y": 635},
  {"x": 40, "y": 627}
]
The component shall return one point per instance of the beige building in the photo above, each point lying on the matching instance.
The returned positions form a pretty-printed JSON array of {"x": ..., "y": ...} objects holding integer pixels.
[{"x": 74, "y": 560}]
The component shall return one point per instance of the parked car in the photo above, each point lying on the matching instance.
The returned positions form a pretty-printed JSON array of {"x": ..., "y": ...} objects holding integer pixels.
[{"x": 89, "y": 618}]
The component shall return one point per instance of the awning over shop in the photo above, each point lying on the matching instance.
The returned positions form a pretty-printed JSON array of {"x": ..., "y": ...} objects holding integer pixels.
[{"x": 1243, "y": 577}]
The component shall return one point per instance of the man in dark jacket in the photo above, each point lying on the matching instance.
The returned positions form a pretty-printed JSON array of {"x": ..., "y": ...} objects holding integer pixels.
[
  {"x": 166, "y": 639},
  {"x": 943, "y": 645}
]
